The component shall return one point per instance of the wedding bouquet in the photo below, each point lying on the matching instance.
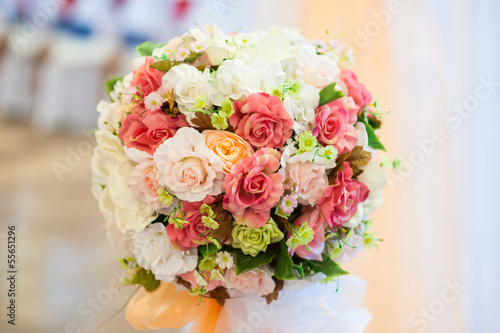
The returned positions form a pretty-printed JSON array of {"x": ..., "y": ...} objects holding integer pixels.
[{"x": 230, "y": 165}]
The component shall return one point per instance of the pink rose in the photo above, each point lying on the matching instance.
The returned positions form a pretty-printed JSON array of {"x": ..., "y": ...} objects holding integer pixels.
[
  {"x": 254, "y": 187},
  {"x": 335, "y": 125},
  {"x": 262, "y": 120},
  {"x": 308, "y": 179},
  {"x": 317, "y": 222},
  {"x": 254, "y": 281},
  {"x": 146, "y": 133},
  {"x": 146, "y": 78},
  {"x": 189, "y": 236},
  {"x": 356, "y": 90},
  {"x": 341, "y": 199},
  {"x": 144, "y": 183},
  {"x": 189, "y": 277}
]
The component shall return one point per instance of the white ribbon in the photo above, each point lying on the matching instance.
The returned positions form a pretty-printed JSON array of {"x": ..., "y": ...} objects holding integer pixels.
[{"x": 302, "y": 307}]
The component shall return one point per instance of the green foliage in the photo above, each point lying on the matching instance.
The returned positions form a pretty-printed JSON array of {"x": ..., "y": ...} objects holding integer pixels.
[
  {"x": 146, "y": 49},
  {"x": 207, "y": 250},
  {"x": 246, "y": 262},
  {"x": 327, "y": 266},
  {"x": 144, "y": 277},
  {"x": 284, "y": 264},
  {"x": 329, "y": 94},
  {"x": 373, "y": 140},
  {"x": 110, "y": 85}
]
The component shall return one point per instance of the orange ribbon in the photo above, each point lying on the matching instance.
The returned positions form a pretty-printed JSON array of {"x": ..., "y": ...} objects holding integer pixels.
[{"x": 167, "y": 307}]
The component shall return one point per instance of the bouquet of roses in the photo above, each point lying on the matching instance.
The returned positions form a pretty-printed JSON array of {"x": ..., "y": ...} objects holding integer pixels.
[{"x": 229, "y": 164}]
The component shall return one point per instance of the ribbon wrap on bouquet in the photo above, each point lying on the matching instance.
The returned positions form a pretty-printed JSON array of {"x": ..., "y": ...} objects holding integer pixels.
[{"x": 302, "y": 306}]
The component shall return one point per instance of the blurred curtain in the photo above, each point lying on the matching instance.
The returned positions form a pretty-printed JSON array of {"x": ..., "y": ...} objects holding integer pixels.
[{"x": 433, "y": 65}]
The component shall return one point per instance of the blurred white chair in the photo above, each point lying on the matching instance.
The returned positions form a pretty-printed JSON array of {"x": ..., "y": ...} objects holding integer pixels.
[
  {"x": 71, "y": 83},
  {"x": 18, "y": 70}
]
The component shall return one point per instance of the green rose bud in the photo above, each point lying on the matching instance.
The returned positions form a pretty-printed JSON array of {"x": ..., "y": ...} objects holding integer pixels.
[
  {"x": 207, "y": 264},
  {"x": 254, "y": 240}
]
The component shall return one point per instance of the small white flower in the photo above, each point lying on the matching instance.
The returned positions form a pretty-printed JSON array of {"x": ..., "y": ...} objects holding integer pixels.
[
  {"x": 153, "y": 101},
  {"x": 182, "y": 53},
  {"x": 200, "y": 280},
  {"x": 224, "y": 259},
  {"x": 163, "y": 91},
  {"x": 242, "y": 40},
  {"x": 215, "y": 274},
  {"x": 198, "y": 46}
]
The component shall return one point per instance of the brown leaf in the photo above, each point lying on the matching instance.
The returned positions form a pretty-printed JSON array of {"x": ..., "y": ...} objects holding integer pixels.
[
  {"x": 274, "y": 295},
  {"x": 183, "y": 282},
  {"x": 281, "y": 222},
  {"x": 170, "y": 107},
  {"x": 162, "y": 65},
  {"x": 225, "y": 220},
  {"x": 220, "y": 294},
  {"x": 339, "y": 168},
  {"x": 356, "y": 158},
  {"x": 202, "y": 121}
]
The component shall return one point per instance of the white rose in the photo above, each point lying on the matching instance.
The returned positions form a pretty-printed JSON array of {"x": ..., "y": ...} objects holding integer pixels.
[
  {"x": 187, "y": 167},
  {"x": 116, "y": 237},
  {"x": 375, "y": 178},
  {"x": 362, "y": 136},
  {"x": 303, "y": 108},
  {"x": 188, "y": 83},
  {"x": 110, "y": 115},
  {"x": 107, "y": 155},
  {"x": 153, "y": 250},
  {"x": 118, "y": 203},
  {"x": 236, "y": 78},
  {"x": 308, "y": 179},
  {"x": 217, "y": 49},
  {"x": 313, "y": 69},
  {"x": 275, "y": 44}
]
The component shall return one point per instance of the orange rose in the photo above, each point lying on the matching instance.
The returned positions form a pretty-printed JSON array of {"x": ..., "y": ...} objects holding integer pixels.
[{"x": 228, "y": 146}]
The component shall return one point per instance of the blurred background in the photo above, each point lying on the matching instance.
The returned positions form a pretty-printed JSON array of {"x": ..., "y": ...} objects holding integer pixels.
[{"x": 432, "y": 63}]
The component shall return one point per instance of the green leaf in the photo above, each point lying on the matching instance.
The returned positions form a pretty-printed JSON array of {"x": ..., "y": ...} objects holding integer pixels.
[
  {"x": 373, "y": 140},
  {"x": 144, "y": 277},
  {"x": 206, "y": 250},
  {"x": 329, "y": 94},
  {"x": 246, "y": 262},
  {"x": 162, "y": 65},
  {"x": 284, "y": 264},
  {"x": 146, "y": 49},
  {"x": 110, "y": 85},
  {"x": 327, "y": 266}
]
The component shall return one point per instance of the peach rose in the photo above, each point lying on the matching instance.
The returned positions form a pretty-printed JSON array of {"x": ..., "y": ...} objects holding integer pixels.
[
  {"x": 254, "y": 281},
  {"x": 188, "y": 169},
  {"x": 308, "y": 179},
  {"x": 230, "y": 147}
]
